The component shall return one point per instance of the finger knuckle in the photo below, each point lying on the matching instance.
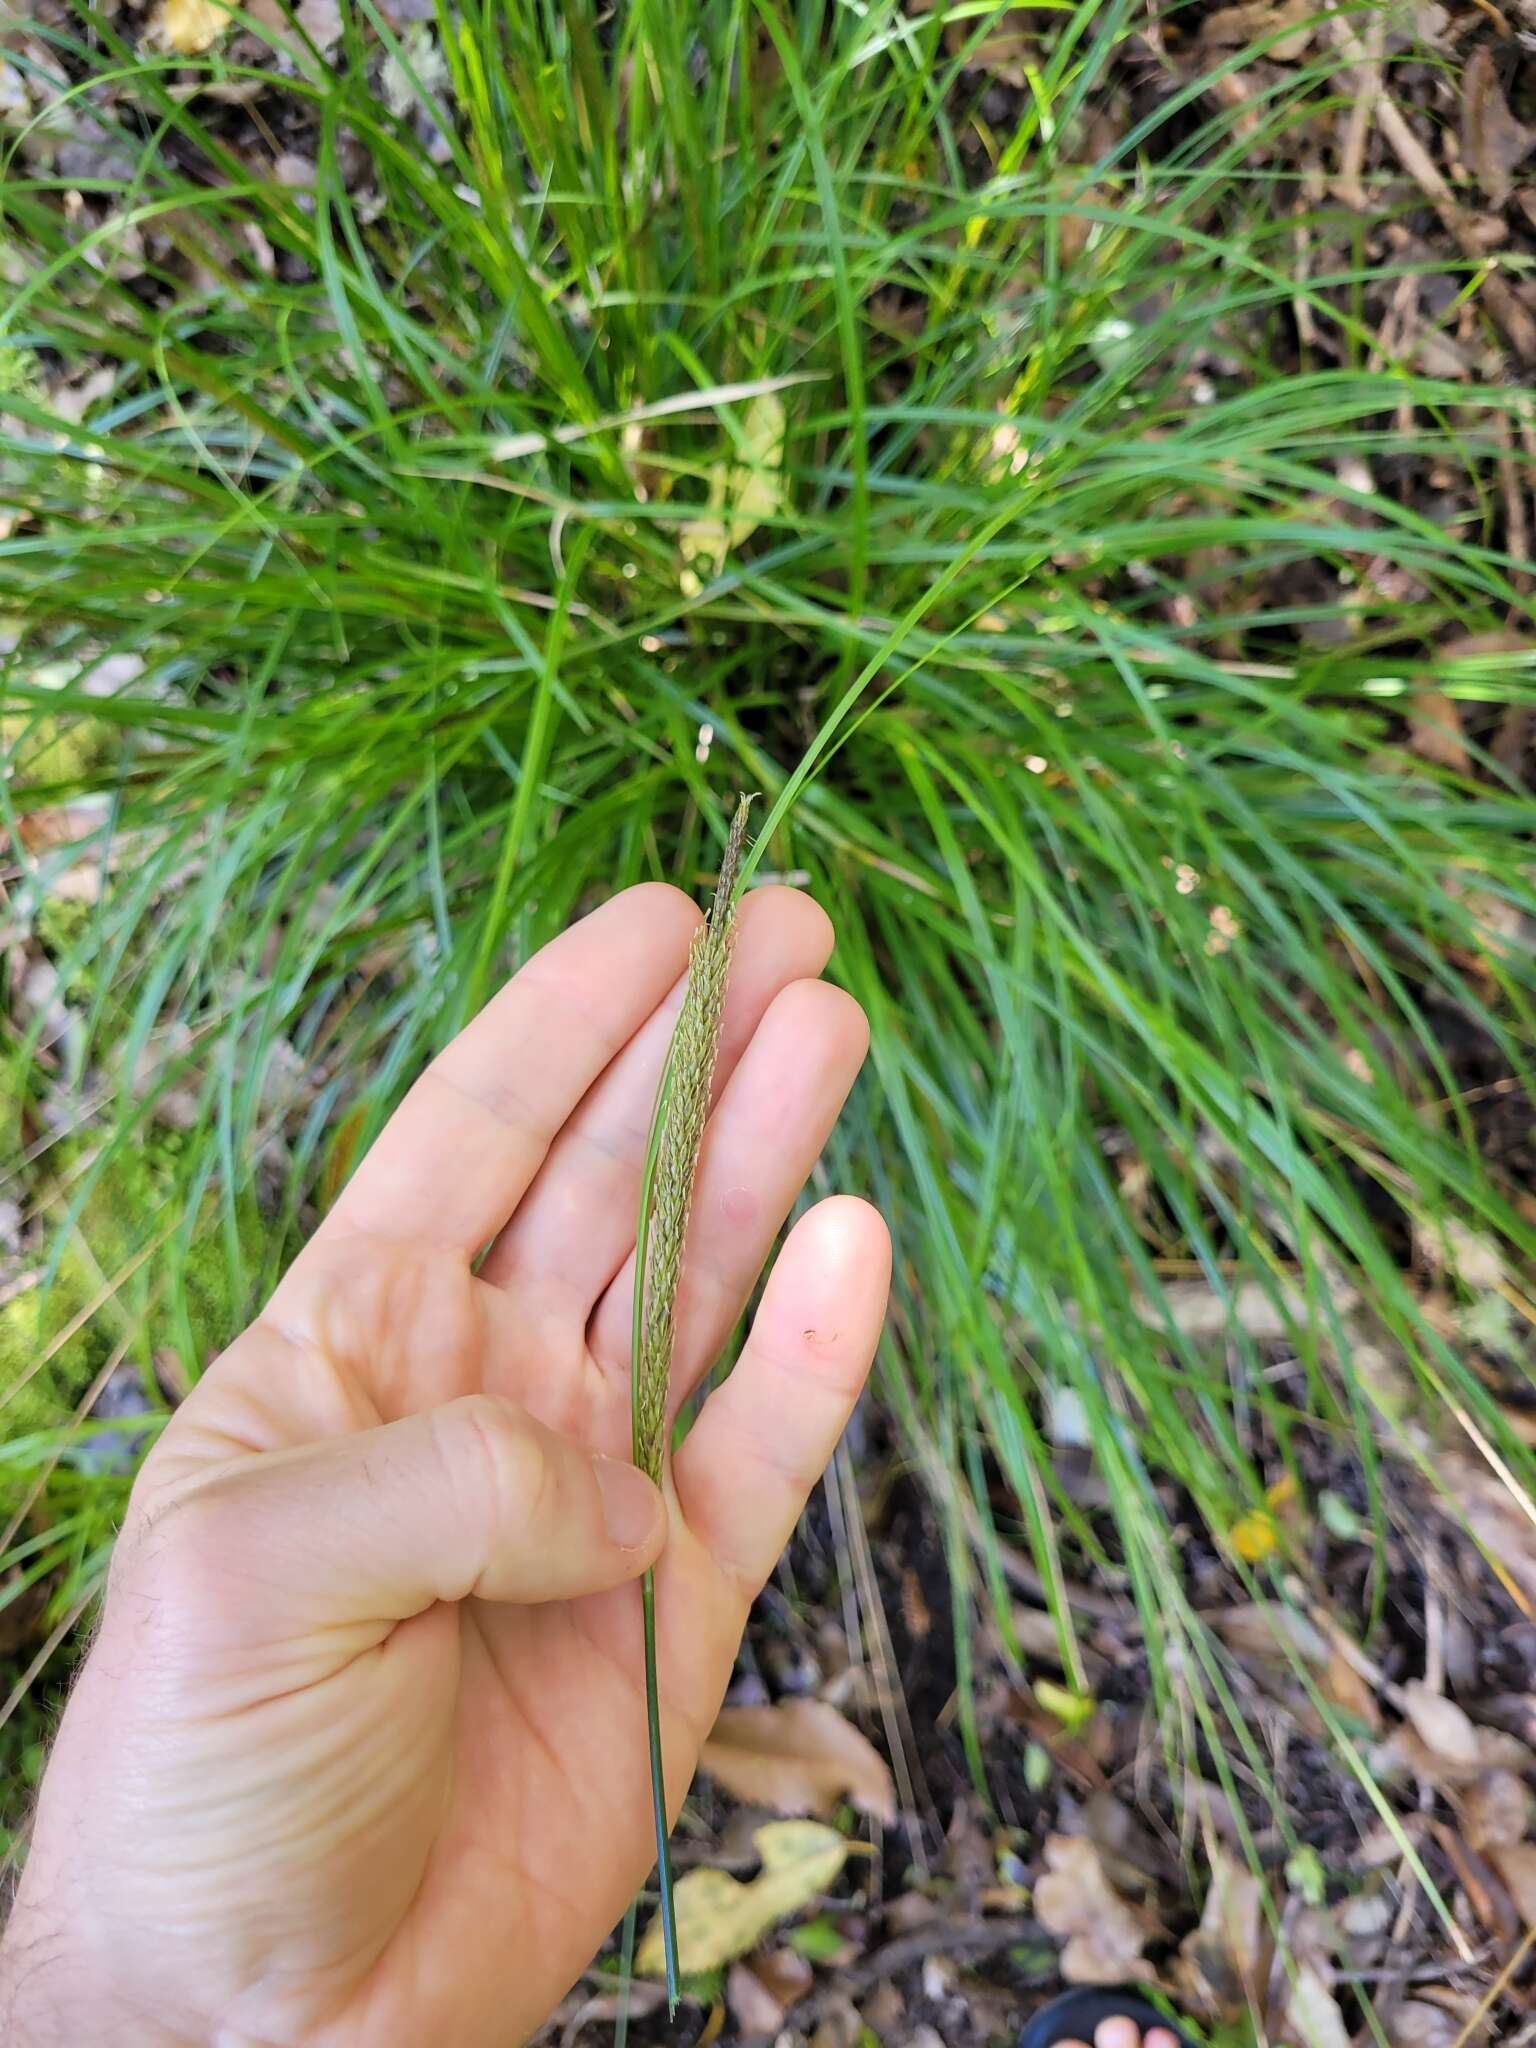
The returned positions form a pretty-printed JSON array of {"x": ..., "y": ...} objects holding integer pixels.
[{"x": 508, "y": 1462}]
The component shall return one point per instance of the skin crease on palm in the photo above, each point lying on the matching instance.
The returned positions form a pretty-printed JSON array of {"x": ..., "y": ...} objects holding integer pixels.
[{"x": 358, "y": 1755}]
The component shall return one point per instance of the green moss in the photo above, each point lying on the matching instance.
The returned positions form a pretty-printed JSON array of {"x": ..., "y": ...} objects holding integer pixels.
[
  {"x": 48, "y": 750},
  {"x": 45, "y": 1394},
  {"x": 61, "y": 924},
  {"x": 13, "y": 1095}
]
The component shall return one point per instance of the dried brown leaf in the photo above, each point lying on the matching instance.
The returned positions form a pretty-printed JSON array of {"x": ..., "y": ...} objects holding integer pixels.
[
  {"x": 1222, "y": 1964},
  {"x": 321, "y": 22},
  {"x": 1312, "y": 2015},
  {"x": 1493, "y": 142},
  {"x": 1434, "y": 726},
  {"x": 885, "y": 2011},
  {"x": 785, "y": 1972},
  {"x": 840, "y": 2025},
  {"x": 1229, "y": 28},
  {"x": 1489, "y": 1902},
  {"x": 1496, "y": 1811},
  {"x": 914, "y": 1607},
  {"x": 752, "y": 2005},
  {"x": 1008, "y": 48},
  {"x": 799, "y": 1757},
  {"x": 1516, "y": 1866},
  {"x": 1342, "y": 1684},
  {"x": 1105, "y": 1934},
  {"x": 603, "y": 2009},
  {"x": 1271, "y": 1632},
  {"x": 1417, "y": 2025},
  {"x": 1442, "y": 1727}
]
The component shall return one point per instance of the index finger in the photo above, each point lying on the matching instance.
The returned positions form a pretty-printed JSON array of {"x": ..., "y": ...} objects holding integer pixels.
[
  {"x": 765, "y": 1437},
  {"x": 454, "y": 1160}
]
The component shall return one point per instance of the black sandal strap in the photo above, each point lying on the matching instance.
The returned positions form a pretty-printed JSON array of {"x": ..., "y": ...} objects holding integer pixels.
[{"x": 1074, "y": 2015}]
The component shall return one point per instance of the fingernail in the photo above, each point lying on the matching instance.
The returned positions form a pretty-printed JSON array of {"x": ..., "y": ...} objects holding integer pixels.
[{"x": 629, "y": 1502}]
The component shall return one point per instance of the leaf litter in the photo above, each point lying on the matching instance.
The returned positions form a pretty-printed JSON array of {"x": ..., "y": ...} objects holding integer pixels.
[{"x": 801, "y": 1756}]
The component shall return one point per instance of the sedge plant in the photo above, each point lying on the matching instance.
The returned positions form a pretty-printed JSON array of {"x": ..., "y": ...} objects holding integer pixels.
[{"x": 392, "y": 563}]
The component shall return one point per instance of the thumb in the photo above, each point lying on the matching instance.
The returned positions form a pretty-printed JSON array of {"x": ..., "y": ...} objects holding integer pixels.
[{"x": 471, "y": 1497}]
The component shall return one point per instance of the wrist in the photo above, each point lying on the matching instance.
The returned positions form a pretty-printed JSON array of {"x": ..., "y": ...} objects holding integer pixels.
[{"x": 51, "y": 1991}]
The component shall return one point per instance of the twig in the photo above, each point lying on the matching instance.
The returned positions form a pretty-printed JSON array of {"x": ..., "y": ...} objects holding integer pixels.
[
  {"x": 1357, "y": 128},
  {"x": 1517, "y": 323},
  {"x": 1495, "y": 1990}
]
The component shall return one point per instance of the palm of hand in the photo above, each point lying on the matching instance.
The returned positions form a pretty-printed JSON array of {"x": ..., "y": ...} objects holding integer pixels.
[{"x": 423, "y": 1817}]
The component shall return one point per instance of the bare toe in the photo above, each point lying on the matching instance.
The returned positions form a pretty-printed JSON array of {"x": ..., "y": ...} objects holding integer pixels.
[
  {"x": 1161, "y": 2037},
  {"x": 1118, "y": 2032}
]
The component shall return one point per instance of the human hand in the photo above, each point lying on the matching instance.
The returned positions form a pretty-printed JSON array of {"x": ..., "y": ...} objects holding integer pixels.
[{"x": 359, "y": 1754}]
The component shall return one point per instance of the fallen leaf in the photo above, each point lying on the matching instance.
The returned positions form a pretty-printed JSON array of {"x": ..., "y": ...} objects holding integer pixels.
[
  {"x": 1221, "y": 1964},
  {"x": 1465, "y": 2009},
  {"x": 1229, "y": 28},
  {"x": 742, "y": 494},
  {"x": 1516, "y": 1866},
  {"x": 1489, "y": 1904},
  {"x": 1264, "y": 1628},
  {"x": 1434, "y": 731},
  {"x": 15, "y": 100},
  {"x": 1417, "y": 2025},
  {"x": 840, "y": 2026},
  {"x": 1312, "y": 2012},
  {"x": 885, "y": 2011},
  {"x": 321, "y": 22},
  {"x": 1342, "y": 1684},
  {"x": 787, "y": 1975},
  {"x": 1493, "y": 142},
  {"x": 915, "y": 1611},
  {"x": 1007, "y": 46},
  {"x": 752, "y": 2005},
  {"x": 720, "y": 1918},
  {"x": 1127, "y": 1845},
  {"x": 634, "y": 1998},
  {"x": 189, "y": 26},
  {"x": 1405, "y": 1751},
  {"x": 1496, "y": 1811},
  {"x": 1365, "y": 1915},
  {"x": 1105, "y": 1935},
  {"x": 1441, "y": 1726},
  {"x": 801, "y": 1757}
]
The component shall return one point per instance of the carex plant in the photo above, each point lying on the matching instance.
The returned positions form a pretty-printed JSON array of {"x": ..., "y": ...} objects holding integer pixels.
[{"x": 395, "y": 562}]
